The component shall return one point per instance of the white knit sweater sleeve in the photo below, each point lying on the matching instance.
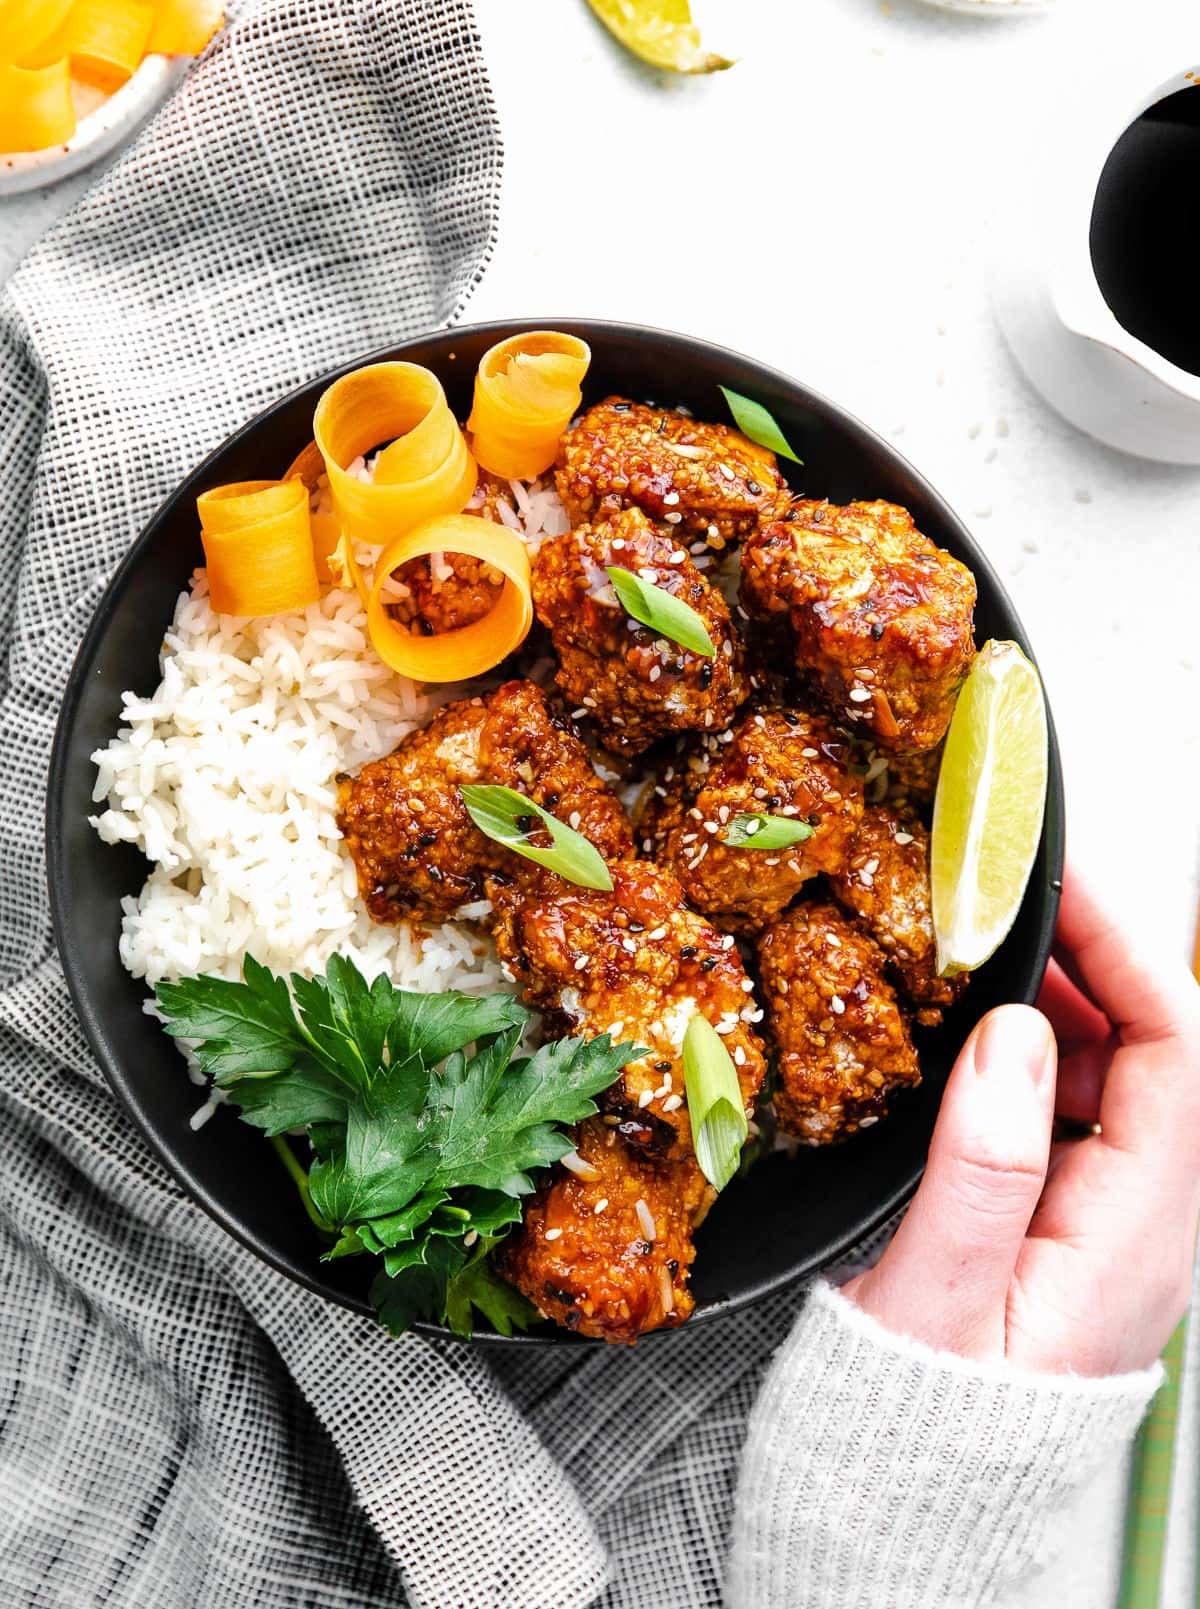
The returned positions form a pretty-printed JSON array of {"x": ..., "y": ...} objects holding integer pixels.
[{"x": 878, "y": 1472}]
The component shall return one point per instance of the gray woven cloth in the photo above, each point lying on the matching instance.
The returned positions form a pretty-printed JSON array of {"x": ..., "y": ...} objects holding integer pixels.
[{"x": 178, "y": 1423}]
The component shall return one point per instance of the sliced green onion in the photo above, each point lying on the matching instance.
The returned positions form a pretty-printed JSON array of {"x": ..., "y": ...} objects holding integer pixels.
[
  {"x": 714, "y": 1102},
  {"x": 757, "y": 422},
  {"x": 661, "y": 611},
  {"x": 758, "y": 830},
  {"x": 503, "y": 815}
]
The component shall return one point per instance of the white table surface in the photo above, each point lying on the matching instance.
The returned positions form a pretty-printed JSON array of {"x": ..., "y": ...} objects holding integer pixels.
[{"x": 829, "y": 205}]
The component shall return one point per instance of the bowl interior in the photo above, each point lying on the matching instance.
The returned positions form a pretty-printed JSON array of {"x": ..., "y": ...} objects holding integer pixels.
[{"x": 787, "y": 1217}]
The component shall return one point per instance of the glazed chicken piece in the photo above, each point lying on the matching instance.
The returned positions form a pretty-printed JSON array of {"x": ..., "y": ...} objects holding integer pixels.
[
  {"x": 636, "y": 685},
  {"x": 638, "y": 964},
  {"x": 911, "y": 781},
  {"x": 778, "y": 762},
  {"x": 606, "y": 1244},
  {"x": 870, "y": 610},
  {"x": 707, "y": 481},
  {"x": 452, "y": 590},
  {"x": 843, "y": 1042},
  {"x": 417, "y": 853},
  {"x": 886, "y": 886}
]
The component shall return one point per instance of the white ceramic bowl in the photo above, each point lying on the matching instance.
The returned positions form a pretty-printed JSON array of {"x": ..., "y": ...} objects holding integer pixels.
[{"x": 113, "y": 121}]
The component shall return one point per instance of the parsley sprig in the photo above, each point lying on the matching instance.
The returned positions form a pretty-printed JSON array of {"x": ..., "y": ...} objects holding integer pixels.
[{"x": 426, "y": 1127}]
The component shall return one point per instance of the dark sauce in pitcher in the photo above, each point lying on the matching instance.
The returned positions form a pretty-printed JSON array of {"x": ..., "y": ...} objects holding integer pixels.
[{"x": 1145, "y": 233}]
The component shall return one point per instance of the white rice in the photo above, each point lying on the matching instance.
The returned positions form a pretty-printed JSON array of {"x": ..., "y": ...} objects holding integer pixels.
[{"x": 225, "y": 778}]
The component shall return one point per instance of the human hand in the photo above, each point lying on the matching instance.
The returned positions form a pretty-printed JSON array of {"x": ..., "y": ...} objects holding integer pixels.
[{"x": 1060, "y": 1255}]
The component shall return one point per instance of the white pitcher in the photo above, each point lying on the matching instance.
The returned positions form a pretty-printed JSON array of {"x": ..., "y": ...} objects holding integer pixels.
[{"x": 1047, "y": 299}]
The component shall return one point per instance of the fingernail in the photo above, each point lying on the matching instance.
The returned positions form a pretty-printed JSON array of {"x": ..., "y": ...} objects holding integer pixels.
[{"x": 1012, "y": 1040}]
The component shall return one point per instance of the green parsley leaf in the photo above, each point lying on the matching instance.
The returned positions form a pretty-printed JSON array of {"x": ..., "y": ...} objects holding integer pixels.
[
  {"x": 479, "y": 1285},
  {"x": 758, "y": 830},
  {"x": 508, "y": 817},
  {"x": 714, "y": 1102},
  {"x": 425, "y": 1125},
  {"x": 498, "y": 1128},
  {"x": 758, "y": 423},
  {"x": 244, "y": 1028},
  {"x": 662, "y": 611}
]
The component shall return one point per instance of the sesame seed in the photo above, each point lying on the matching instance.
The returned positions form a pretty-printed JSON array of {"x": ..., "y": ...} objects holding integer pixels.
[
  {"x": 739, "y": 1055},
  {"x": 701, "y": 855},
  {"x": 672, "y": 1103},
  {"x": 655, "y": 672},
  {"x": 667, "y": 1079},
  {"x": 657, "y": 933},
  {"x": 672, "y": 519},
  {"x": 589, "y": 703},
  {"x": 783, "y": 986},
  {"x": 471, "y": 1236},
  {"x": 580, "y": 963},
  {"x": 615, "y": 1028},
  {"x": 645, "y": 1098},
  {"x": 578, "y": 715},
  {"x": 747, "y": 985},
  {"x": 553, "y": 1234},
  {"x": 865, "y": 1122},
  {"x": 866, "y": 879},
  {"x": 688, "y": 838},
  {"x": 574, "y": 819},
  {"x": 809, "y": 754},
  {"x": 701, "y": 547},
  {"x": 726, "y": 1027},
  {"x": 646, "y": 1220},
  {"x": 619, "y": 544},
  {"x": 661, "y": 1093},
  {"x": 629, "y": 946},
  {"x": 600, "y": 1206},
  {"x": 904, "y": 837},
  {"x": 837, "y": 1005},
  {"x": 710, "y": 826},
  {"x": 860, "y": 695},
  {"x": 679, "y": 555},
  {"x": 832, "y": 938},
  {"x": 727, "y": 941},
  {"x": 872, "y": 866}
]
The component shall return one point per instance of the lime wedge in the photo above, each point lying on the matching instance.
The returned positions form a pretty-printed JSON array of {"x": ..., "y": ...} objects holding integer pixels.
[
  {"x": 659, "y": 32},
  {"x": 987, "y": 817}
]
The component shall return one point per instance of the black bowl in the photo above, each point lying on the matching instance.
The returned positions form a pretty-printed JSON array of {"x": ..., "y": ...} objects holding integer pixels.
[{"x": 786, "y": 1218}]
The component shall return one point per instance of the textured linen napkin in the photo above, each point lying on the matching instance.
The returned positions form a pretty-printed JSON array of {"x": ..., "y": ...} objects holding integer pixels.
[{"x": 180, "y": 1424}]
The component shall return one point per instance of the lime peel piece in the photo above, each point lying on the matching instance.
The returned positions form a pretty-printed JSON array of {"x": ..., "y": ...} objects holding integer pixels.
[{"x": 991, "y": 799}]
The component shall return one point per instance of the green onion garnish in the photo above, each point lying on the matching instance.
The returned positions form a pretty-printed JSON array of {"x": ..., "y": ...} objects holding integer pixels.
[
  {"x": 757, "y": 422},
  {"x": 507, "y": 817},
  {"x": 714, "y": 1102},
  {"x": 762, "y": 831},
  {"x": 661, "y": 611}
]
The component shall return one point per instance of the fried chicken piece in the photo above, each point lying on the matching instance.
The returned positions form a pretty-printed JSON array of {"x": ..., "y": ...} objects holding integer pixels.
[
  {"x": 707, "y": 481},
  {"x": 911, "y": 781},
  {"x": 417, "y": 852},
  {"x": 637, "y": 685},
  {"x": 584, "y": 1255},
  {"x": 638, "y": 964},
  {"x": 886, "y": 886},
  {"x": 843, "y": 1042},
  {"x": 879, "y": 617},
  {"x": 779, "y": 762},
  {"x": 453, "y": 590}
]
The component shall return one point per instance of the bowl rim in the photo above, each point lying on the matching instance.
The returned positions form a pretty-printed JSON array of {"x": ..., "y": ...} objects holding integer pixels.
[{"x": 59, "y": 885}]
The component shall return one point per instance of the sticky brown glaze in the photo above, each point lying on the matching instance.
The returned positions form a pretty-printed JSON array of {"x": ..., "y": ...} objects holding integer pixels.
[
  {"x": 583, "y": 1256},
  {"x": 708, "y": 482},
  {"x": 842, "y": 1040},
  {"x": 877, "y": 616},
  {"x": 637, "y": 964},
  {"x": 886, "y": 886},
  {"x": 778, "y": 762},
  {"x": 416, "y": 851},
  {"x": 636, "y": 685}
]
